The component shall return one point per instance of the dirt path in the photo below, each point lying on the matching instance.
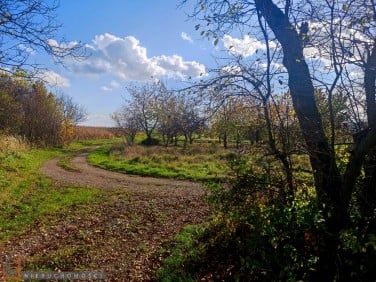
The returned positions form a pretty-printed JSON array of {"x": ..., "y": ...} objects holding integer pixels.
[
  {"x": 96, "y": 177},
  {"x": 121, "y": 234}
]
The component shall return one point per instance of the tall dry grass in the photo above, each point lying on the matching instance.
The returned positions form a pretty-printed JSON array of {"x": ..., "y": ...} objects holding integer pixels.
[
  {"x": 91, "y": 132},
  {"x": 9, "y": 143}
]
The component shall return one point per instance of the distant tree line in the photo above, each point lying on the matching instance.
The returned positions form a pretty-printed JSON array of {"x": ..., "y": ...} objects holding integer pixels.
[
  {"x": 29, "y": 110},
  {"x": 153, "y": 109}
]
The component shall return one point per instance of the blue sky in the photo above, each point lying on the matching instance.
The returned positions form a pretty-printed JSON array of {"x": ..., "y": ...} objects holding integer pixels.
[
  {"x": 134, "y": 40},
  {"x": 117, "y": 28}
]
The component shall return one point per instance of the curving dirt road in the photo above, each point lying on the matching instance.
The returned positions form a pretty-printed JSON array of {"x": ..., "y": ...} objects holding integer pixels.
[
  {"x": 122, "y": 233},
  {"x": 96, "y": 177}
]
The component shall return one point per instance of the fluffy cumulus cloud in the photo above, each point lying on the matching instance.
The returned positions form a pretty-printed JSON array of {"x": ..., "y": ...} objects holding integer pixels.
[
  {"x": 186, "y": 37},
  {"x": 54, "y": 79},
  {"x": 319, "y": 49},
  {"x": 246, "y": 46},
  {"x": 127, "y": 59}
]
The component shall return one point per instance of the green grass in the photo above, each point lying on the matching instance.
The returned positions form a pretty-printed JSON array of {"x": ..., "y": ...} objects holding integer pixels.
[
  {"x": 159, "y": 161},
  {"x": 65, "y": 162},
  {"x": 26, "y": 196},
  {"x": 185, "y": 249},
  {"x": 84, "y": 144}
]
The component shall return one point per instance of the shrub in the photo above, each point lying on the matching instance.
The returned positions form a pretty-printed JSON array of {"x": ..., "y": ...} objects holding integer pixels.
[
  {"x": 150, "y": 142},
  {"x": 256, "y": 236}
]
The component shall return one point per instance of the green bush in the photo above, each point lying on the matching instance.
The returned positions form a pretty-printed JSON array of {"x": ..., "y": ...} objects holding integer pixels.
[
  {"x": 256, "y": 236},
  {"x": 150, "y": 142}
]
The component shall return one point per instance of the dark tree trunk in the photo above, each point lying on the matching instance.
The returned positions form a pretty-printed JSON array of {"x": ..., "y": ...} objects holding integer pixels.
[
  {"x": 281, "y": 156},
  {"x": 185, "y": 140},
  {"x": 225, "y": 140},
  {"x": 237, "y": 141},
  {"x": 368, "y": 195},
  {"x": 165, "y": 139},
  {"x": 327, "y": 178},
  {"x": 148, "y": 136},
  {"x": 370, "y": 87},
  {"x": 257, "y": 137}
]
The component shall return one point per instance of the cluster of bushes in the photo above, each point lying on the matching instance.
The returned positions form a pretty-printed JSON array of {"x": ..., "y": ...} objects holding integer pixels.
[
  {"x": 29, "y": 110},
  {"x": 256, "y": 236}
]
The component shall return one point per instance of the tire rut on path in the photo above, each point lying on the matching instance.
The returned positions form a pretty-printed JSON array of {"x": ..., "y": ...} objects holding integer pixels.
[{"x": 121, "y": 234}]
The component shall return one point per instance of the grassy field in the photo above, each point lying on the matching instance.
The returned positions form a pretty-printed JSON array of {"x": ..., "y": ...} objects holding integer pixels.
[
  {"x": 204, "y": 160},
  {"x": 75, "y": 228},
  {"x": 26, "y": 196},
  {"x": 199, "y": 162}
]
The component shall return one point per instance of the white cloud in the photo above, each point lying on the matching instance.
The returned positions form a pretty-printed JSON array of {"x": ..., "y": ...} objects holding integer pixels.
[
  {"x": 349, "y": 43},
  {"x": 113, "y": 85},
  {"x": 104, "y": 120},
  {"x": 27, "y": 49},
  {"x": 315, "y": 54},
  {"x": 231, "y": 70},
  {"x": 176, "y": 66},
  {"x": 54, "y": 79},
  {"x": 64, "y": 45},
  {"x": 186, "y": 37},
  {"x": 106, "y": 88},
  {"x": 246, "y": 46},
  {"x": 128, "y": 60}
]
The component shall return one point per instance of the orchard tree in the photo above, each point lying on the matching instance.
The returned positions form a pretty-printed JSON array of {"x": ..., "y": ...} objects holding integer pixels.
[
  {"x": 144, "y": 105},
  {"x": 257, "y": 78},
  {"x": 289, "y": 22},
  {"x": 126, "y": 121},
  {"x": 169, "y": 118},
  {"x": 191, "y": 122}
]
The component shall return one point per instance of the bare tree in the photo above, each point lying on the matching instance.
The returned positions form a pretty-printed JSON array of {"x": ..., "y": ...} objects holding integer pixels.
[
  {"x": 29, "y": 26},
  {"x": 289, "y": 22},
  {"x": 257, "y": 78},
  {"x": 126, "y": 120},
  {"x": 169, "y": 125},
  {"x": 144, "y": 106},
  {"x": 190, "y": 120},
  {"x": 72, "y": 111}
]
